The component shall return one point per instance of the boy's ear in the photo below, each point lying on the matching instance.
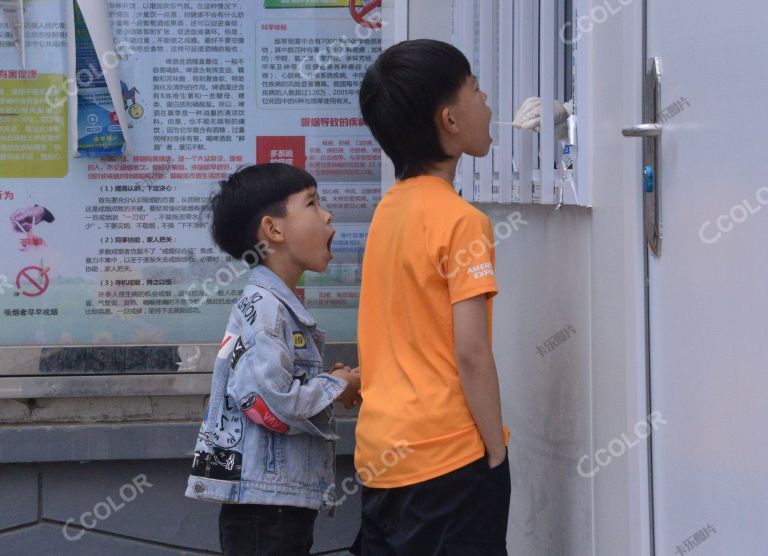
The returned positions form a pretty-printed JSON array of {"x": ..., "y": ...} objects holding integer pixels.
[
  {"x": 271, "y": 230},
  {"x": 446, "y": 120}
]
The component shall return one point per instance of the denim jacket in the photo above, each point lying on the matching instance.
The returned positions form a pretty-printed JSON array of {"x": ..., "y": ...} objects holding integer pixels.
[{"x": 268, "y": 436}]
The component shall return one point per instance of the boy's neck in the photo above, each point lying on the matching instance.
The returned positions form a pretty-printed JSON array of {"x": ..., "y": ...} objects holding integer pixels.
[
  {"x": 445, "y": 169},
  {"x": 285, "y": 270}
]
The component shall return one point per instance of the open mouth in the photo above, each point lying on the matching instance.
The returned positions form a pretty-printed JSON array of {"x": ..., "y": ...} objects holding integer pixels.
[{"x": 330, "y": 241}]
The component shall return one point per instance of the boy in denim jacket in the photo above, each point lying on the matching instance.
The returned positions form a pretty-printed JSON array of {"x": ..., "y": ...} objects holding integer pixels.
[{"x": 266, "y": 448}]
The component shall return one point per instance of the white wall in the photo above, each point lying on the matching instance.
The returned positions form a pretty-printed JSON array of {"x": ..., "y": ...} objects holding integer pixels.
[{"x": 543, "y": 274}]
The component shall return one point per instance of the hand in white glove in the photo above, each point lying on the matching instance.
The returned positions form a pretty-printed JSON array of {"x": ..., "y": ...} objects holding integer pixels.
[{"x": 529, "y": 116}]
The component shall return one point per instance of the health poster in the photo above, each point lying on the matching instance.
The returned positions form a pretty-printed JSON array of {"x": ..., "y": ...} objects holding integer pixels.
[{"x": 116, "y": 249}]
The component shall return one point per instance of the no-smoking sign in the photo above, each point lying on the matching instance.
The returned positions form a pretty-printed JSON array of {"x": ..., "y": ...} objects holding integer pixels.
[
  {"x": 32, "y": 281},
  {"x": 359, "y": 16}
]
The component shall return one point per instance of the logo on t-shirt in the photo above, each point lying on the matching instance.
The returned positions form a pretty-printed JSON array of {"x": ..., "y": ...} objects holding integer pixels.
[{"x": 480, "y": 270}]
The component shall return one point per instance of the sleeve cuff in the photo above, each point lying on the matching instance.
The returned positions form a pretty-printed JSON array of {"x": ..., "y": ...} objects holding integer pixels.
[
  {"x": 489, "y": 290},
  {"x": 334, "y": 386}
]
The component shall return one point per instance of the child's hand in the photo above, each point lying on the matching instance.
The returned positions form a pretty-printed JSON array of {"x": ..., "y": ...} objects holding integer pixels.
[
  {"x": 496, "y": 457},
  {"x": 343, "y": 366},
  {"x": 350, "y": 397}
]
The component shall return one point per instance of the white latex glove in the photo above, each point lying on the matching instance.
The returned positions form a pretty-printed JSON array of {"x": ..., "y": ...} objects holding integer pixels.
[{"x": 529, "y": 116}]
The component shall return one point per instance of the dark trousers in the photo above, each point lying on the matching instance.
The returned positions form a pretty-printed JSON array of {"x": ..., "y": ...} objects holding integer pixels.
[
  {"x": 462, "y": 513},
  {"x": 256, "y": 530}
]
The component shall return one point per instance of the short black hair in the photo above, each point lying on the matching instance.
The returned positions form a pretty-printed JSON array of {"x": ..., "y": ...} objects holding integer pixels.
[
  {"x": 400, "y": 95},
  {"x": 247, "y": 196}
]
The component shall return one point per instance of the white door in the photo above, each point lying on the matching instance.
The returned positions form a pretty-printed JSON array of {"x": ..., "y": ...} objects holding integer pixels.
[{"x": 708, "y": 300}]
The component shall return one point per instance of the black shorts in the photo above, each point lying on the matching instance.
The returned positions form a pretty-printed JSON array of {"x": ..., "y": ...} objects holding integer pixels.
[{"x": 462, "y": 513}]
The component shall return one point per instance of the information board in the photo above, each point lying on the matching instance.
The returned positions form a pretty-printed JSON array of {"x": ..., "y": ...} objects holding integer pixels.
[{"x": 116, "y": 250}]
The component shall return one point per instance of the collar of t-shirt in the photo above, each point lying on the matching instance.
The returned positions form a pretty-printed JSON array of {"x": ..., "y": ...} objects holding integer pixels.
[{"x": 424, "y": 180}]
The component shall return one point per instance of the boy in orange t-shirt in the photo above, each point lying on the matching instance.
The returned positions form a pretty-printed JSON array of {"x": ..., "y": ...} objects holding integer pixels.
[{"x": 430, "y": 442}]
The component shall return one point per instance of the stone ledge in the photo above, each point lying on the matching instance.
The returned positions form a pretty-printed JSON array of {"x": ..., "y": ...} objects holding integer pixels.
[{"x": 116, "y": 441}]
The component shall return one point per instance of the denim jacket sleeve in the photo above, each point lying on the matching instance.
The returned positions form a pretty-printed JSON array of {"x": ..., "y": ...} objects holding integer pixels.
[{"x": 263, "y": 383}]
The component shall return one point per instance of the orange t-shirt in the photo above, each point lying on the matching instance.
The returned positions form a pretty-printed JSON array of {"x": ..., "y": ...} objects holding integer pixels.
[{"x": 427, "y": 249}]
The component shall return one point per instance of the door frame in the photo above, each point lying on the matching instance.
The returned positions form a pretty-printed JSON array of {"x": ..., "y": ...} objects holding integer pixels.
[{"x": 621, "y": 492}]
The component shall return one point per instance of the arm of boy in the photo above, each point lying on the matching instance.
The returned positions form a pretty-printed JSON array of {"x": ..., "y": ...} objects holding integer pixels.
[
  {"x": 477, "y": 372},
  {"x": 264, "y": 387}
]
